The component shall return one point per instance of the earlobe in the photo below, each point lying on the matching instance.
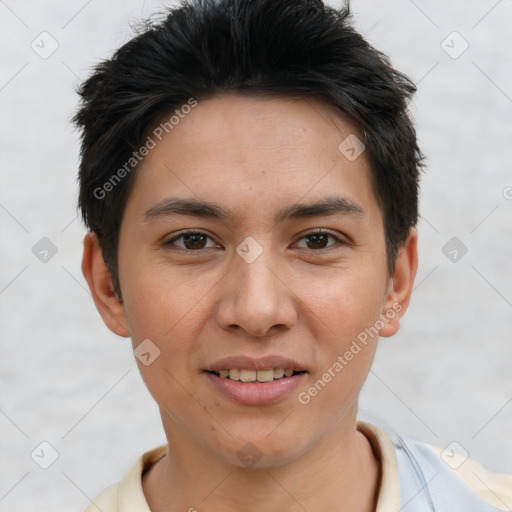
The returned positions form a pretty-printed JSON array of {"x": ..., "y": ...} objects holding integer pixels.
[
  {"x": 100, "y": 284},
  {"x": 400, "y": 285}
]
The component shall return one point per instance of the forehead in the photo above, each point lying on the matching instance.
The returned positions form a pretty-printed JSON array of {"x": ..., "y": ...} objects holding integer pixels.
[
  {"x": 268, "y": 123},
  {"x": 249, "y": 151}
]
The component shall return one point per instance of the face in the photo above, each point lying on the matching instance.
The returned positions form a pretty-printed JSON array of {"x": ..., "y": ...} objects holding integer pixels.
[{"x": 284, "y": 268}]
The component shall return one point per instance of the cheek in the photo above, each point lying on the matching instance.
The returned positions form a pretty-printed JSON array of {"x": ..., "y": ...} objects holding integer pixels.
[
  {"x": 168, "y": 313},
  {"x": 170, "y": 309},
  {"x": 345, "y": 353},
  {"x": 345, "y": 313},
  {"x": 159, "y": 302},
  {"x": 344, "y": 303}
]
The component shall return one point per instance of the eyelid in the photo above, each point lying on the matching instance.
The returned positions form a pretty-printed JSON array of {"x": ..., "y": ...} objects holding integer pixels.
[
  {"x": 190, "y": 231},
  {"x": 322, "y": 231}
]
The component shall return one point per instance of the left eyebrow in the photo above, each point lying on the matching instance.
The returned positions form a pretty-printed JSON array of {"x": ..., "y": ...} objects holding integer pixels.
[
  {"x": 328, "y": 206},
  {"x": 335, "y": 205}
]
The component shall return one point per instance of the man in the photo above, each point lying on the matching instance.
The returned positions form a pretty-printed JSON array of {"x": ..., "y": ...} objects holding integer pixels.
[{"x": 249, "y": 176}]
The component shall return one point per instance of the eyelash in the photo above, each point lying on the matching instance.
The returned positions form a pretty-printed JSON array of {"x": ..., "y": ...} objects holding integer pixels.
[{"x": 319, "y": 231}]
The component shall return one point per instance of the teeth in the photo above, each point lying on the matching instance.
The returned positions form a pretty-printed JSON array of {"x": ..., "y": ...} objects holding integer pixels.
[
  {"x": 256, "y": 376},
  {"x": 247, "y": 375},
  {"x": 278, "y": 373},
  {"x": 265, "y": 375}
]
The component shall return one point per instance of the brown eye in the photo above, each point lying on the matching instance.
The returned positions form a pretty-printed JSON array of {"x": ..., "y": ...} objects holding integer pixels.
[
  {"x": 318, "y": 240},
  {"x": 191, "y": 240}
]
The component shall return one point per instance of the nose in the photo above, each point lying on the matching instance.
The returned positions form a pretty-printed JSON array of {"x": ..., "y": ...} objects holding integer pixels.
[{"x": 256, "y": 297}]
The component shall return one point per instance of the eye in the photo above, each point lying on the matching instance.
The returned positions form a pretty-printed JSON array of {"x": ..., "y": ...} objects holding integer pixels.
[
  {"x": 319, "y": 238},
  {"x": 196, "y": 241},
  {"x": 192, "y": 240}
]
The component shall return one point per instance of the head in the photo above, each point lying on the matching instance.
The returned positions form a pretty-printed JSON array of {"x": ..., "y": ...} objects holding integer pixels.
[{"x": 246, "y": 113}]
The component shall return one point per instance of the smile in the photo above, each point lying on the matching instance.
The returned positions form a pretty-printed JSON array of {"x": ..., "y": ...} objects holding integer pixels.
[
  {"x": 255, "y": 375},
  {"x": 255, "y": 392}
]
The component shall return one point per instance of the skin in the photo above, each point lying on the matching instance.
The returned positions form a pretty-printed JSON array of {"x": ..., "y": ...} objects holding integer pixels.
[{"x": 302, "y": 299}]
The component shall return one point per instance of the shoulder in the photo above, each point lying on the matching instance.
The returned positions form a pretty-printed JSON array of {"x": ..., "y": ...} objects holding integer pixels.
[
  {"x": 418, "y": 477},
  {"x": 128, "y": 494},
  {"x": 106, "y": 501},
  {"x": 443, "y": 476},
  {"x": 495, "y": 488}
]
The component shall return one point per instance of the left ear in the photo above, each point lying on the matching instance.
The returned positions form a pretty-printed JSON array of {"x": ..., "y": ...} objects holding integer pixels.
[{"x": 400, "y": 285}]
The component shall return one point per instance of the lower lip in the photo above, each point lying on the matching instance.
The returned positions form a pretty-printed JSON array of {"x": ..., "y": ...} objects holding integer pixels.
[{"x": 251, "y": 393}]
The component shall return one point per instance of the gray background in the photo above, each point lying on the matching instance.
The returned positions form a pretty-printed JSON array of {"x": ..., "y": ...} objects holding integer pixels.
[{"x": 67, "y": 380}]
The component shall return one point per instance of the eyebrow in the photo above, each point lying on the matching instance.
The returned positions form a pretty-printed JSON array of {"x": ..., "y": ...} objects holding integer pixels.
[{"x": 333, "y": 205}]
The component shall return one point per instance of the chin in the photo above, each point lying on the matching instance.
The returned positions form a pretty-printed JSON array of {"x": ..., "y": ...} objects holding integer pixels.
[{"x": 262, "y": 450}]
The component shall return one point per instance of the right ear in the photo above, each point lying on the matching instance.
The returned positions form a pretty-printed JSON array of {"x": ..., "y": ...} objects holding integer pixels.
[{"x": 99, "y": 280}]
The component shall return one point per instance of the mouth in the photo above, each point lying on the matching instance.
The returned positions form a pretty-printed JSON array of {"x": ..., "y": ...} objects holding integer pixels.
[
  {"x": 249, "y": 381},
  {"x": 256, "y": 376}
]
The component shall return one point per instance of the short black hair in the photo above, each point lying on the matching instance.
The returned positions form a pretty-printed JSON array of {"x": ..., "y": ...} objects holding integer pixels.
[{"x": 201, "y": 48}]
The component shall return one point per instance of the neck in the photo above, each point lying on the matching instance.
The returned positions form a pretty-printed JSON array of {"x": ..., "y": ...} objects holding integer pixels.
[{"x": 340, "y": 473}]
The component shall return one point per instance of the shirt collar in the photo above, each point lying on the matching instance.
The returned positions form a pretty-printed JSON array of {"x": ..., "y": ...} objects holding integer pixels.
[
  {"x": 388, "y": 499},
  {"x": 131, "y": 495}
]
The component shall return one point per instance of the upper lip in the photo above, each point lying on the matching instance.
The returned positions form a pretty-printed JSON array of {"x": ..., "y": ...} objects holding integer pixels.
[{"x": 249, "y": 363}]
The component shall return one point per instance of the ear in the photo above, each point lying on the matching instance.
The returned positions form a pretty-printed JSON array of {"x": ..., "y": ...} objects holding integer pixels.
[
  {"x": 400, "y": 285},
  {"x": 99, "y": 280}
]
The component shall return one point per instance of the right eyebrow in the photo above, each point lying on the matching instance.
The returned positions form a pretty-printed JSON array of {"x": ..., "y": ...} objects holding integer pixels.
[{"x": 183, "y": 206}]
